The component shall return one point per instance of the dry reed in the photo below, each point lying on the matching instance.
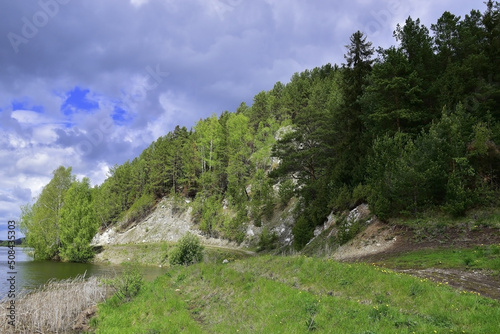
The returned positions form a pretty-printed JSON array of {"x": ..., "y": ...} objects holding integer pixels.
[{"x": 54, "y": 307}]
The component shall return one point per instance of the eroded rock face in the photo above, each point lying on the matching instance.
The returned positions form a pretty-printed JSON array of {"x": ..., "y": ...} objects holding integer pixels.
[
  {"x": 360, "y": 212},
  {"x": 167, "y": 222},
  {"x": 377, "y": 238}
]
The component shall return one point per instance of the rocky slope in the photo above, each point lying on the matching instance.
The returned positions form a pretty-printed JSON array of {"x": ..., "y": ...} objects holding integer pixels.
[
  {"x": 167, "y": 222},
  {"x": 170, "y": 221}
]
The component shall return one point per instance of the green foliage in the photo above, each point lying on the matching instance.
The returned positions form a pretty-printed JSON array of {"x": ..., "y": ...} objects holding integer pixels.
[
  {"x": 360, "y": 194},
  {"x": 286, "y": 192},
  {"x": 347, "y": 229},
  {"x": 238, "y": 149},
  {"x": 343, "y": 199},
  {"x": 458, "y": 197},
  {"x": 188, "y": 250},
  {"x": 40, "y": 222},
  {"x": 302, "y": 232},
  {"x": 210, "y": 143},
  {"x": 141, "y": 208},
  {"x": 267, "y": 240},
  {"x": 407, "y": 175},
  {"x": 234, "y": 227},
  {"x": 393, "y": 99},
  {"x": 262, "y": 199},
  {"x": 128, "y": 284},
  {"x": 78, "y": 223},
  {"x": 209, "y": 214}
]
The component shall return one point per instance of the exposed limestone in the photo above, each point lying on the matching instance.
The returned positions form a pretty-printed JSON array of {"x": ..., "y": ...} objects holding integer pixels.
[{"x": 167, "y": 222}]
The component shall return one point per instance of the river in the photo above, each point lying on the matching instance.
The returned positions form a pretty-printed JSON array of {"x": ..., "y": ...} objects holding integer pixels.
[{"x": 30, "y": 274}]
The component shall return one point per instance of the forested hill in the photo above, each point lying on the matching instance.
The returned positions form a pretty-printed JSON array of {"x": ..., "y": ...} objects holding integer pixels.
[{"x": 409, "y": 129}]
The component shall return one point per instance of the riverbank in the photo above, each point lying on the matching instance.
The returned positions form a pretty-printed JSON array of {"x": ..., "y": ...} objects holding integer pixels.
[{"x": 156, "y": 254}]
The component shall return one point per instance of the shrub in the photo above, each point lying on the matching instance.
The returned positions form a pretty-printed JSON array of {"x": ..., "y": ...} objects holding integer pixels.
[
  {"x": 360, "y": 194},
  {"x": 234, "y": 227},
  {"x": 189, "y": 250},
  {"x": 140, "y": 209},
  {"x": 343, "y": 199},
  {"x": 286, "y": 192},
  {"x": 347, "y": 229},
  {"x": 267, "y": 240},
  {"x": 208, "y": 212},
  {"x": 458, "y": 197},
  {"x": 302, "y": 231},
  {"x": 128, "y": 284}
]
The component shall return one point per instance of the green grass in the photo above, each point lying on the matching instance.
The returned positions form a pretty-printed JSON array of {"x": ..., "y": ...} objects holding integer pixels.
[
  {"x": 272, "y": 294},
  {"x": 479, "y": 257},
  {"x": 156, "y": 253},
  {"x": 155, "y": 310}
]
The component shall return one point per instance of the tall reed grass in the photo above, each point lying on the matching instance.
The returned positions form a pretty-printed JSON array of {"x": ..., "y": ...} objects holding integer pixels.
[{"x": 54, "y": 307}]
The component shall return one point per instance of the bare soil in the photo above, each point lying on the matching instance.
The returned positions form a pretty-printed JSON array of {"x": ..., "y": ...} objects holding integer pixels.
[
  {"x": 478, "y": 281},
  {"x": 381, "y": 241}
]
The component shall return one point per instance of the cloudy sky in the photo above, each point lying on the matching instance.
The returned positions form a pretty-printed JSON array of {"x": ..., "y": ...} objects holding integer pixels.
[{"x": 90, "y": 84}]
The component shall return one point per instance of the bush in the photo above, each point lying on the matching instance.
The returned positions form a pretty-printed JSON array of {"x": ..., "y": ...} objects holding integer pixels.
[
  {"x": 128, "y": 284},
  {"x": 360, "y": 194},
  {"x": 286, "y": 192},
  {"x": 302, "y": 231},
  {"x": 347, "y": 229},
  {"x": 343, "y": 199},
  {"x": 267, "y": 240},
  {"x": 141, "y": 208},
  {"x": 458, "y": 197},
  {"x": 189, "y": 250},
  {"x": 208, "y": 212},
  {"x": 234, "y": 227}
]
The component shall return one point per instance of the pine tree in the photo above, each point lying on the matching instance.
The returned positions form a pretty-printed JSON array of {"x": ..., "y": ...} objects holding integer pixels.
[
  {"x": 348, "y": 119},
  {"x": 392, "y": 101}
]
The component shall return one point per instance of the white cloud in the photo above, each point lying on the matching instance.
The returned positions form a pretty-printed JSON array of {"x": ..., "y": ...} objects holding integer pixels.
[{"x": 138, "y": 3}]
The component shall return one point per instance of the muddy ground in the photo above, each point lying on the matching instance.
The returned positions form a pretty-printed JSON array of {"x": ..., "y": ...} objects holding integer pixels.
[{"x": 380, "y": 242}]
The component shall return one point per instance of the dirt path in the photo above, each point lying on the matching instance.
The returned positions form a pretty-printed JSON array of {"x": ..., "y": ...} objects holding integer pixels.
[
  {"x": 478, "y": 281},
  {"x": 380, "y": 242}
]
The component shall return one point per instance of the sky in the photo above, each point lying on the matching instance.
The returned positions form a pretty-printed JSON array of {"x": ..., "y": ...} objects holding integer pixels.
[{"x": 90, "y": 84}]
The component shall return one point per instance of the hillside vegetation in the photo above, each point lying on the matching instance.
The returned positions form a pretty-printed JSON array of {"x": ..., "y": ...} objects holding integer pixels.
[{"x": 412, "y": 130}]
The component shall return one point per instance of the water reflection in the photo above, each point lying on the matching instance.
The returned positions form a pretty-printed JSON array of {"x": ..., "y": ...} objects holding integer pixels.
[{"x": 31, "y": 274}]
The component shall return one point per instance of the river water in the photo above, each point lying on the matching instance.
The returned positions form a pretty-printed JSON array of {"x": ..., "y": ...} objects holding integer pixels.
[{"x": 30, "y": 274}]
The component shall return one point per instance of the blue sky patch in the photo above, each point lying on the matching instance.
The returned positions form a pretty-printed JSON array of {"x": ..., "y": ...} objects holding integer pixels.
[
  {"x": 77, "y": 100},
  {"x": 121, "y": 117},
  {"x": 24, "y": 105}
]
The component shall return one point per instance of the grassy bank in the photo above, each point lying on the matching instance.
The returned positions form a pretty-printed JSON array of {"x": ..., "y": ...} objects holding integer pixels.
[
  {"x": 297, "y": 295},
  {"x": 156, "y": 254}
]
